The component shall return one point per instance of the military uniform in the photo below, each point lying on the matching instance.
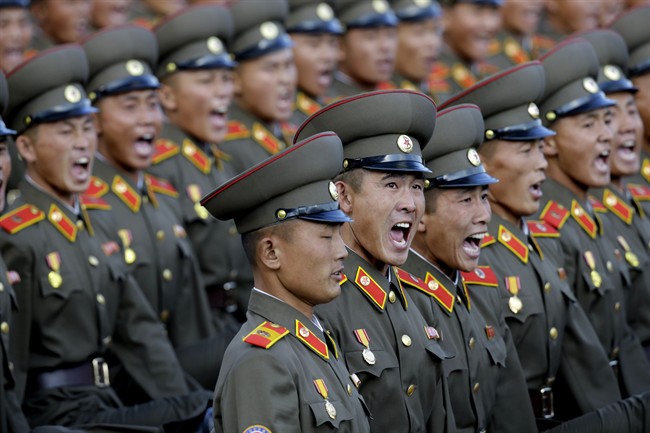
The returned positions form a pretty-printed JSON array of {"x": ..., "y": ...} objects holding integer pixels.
[
  {"x": 638, "y": 186},
  {"x": 305, "y": 106},
  {"x": 284, "y": 364},
  {"x": 451, "y": 75},
  {"x": 509, "y": 50}
]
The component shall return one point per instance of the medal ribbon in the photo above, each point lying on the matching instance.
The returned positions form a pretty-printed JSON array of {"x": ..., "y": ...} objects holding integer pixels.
[
  {"x": 589, "y": 258},
  {"x": 321, "y": 388},
  {"x": 53, "y": 261},
  {"x": 362, "y": 337},
  {"x": 513, "y": 284}
]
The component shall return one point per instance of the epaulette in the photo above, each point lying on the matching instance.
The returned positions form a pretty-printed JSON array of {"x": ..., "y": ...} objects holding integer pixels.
[
  {"x": 410, "y": 279},
  {"x": 196, "y": 156},
  {"x": 437, "y": 79},
  {"x": 431, "y": 287},
  {"x": 164, "y": 149},
  {"x": 344, "y": 278},
  {"x": 488, "y": 239},
  {"x": 62, "y": 223},
  {"x": 96, "y": 188},
  {"x": 513, "y": 243},
  {"x": 597, "y": 205},
  {"x": 266, "y": 335},
  {"x": 619, "y": 208},
  {"x": 555, "y": 214},
  {"x": 515, "y": 51},
  {"x": 370, "y": 288},
  {"x": 311, "y": 340},
  {"x": 237, "y": 130},
  {"x": 161, "y": 186},
  {"x": 583, "y": 219},
  {"x": 542, "y": 229},
  {"x": 91, "y": 202},
  {"x": 20, "y": 218},
  {"x": 482, "y": 275},
  {"x": 306, "y": 104},
  {"x": 645, "y": 169},
  {"x": 639, "y": 192},
  {"x": 288, "y": 130},
  {"x": 268, "y": 141},
  {"x": 126, "y": 193}
]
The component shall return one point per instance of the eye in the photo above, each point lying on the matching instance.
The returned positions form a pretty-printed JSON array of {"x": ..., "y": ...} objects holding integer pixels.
[{"x": 391, "y": 185}]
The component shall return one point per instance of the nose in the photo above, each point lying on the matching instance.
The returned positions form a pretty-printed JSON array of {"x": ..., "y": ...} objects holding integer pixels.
[
  {"x": 407, "y": 201},
  {"x": 339, "y": 246}
]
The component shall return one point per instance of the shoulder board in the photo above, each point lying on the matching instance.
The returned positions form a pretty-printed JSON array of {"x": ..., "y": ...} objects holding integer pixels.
[
  {"x": 160, "y": 185},
  {"x": 541, "y": 229},
  {"x": 164, "y": 149},
  {"x": 583, "y": 219},
  {"x": 91, "y": 202},
  {"x": 639, "y": 192},
  {"x": 555, "y": 214},
  {"x": 410, "y": 279},
  {"x": 483, "y": 276},
  {"x": 494, "y": 47},
  {"x": 196, "y": 156},
  {"x": 618, "y": 207},
  {"x": 288, "y": 130},
  {"x": 97, "y": 187},
  {"x": 237, "y": 130},
  {"x": 306, "y": 105},
  {"x": 268, "y": 141},
  {"x": 266, "y": 335},
  {"x": 370, "y": 288},
  {"x": 344, "y": 278},
  {"x": 516, "y": 246},
  {"x": 597, "y": 205},
  {"x": 462, "y": 75},
  {"x": 645, "y": 169},
  {"x": 487, "y": 240},
  {"x": 431, "y": 287},
  {"x": 20, "y": 218}
]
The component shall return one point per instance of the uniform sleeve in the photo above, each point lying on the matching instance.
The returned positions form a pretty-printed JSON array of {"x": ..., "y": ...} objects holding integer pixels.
[{"x": 259, "y": 390}]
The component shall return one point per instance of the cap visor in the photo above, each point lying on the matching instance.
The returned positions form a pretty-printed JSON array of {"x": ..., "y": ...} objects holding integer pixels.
[
  {"x": 478, "y": 179},
  {"x": 406, "y": 166},
  {"x": 534, "y": 133},
  {"x": 331, "y": 216},
  {"x": 597, "y": 101}
]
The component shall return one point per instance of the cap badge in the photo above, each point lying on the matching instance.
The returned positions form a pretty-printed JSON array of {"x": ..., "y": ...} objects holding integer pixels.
[
  {"x": 379, "y": 6},
  {"x": 214, "y": 45},
  {"x": 612, "y": 72},
  {"x": 590, "y": 85},
  {"x": 269, "y": 30},
  {"x": 405, "y": 143},
  {"x": 533, "y": 110},
  {"x": 333, "y": 191},
  {"x": 134, "y": 67},
  {"x": 422, "y": 3},
  {"x": 324, "y": 12},
  {"x": 474, "y": 159},
  {"x": 72, "y": 94}
]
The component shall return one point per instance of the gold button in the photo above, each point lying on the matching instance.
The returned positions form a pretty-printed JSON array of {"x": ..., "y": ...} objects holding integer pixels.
[
  {"x": 349, "y": 388},
  {"x": 410, "y": 390},
  {"x": 615, "y": 352},
  {"x": 553, "y": 333},
  {"x": 2, "y": 287},
  {"x": 107, "y": 340},
  {"x": 547, "y": 287},
  {"x": 406, "y": 340},
  {"x": 617, "y": 306},
  {"x": 80, "y": 224},
  {"x": 476, "y": 387},
  {"x": 160, "y": 235},
  {"x": 100, "y": 299},
  {"x": 392, "y": 297},
  {"x": 164, "y": 315},
  {"x": 94, "y": 261},
  {"x": 530, "y": 248},
  {"x": 4, "y": 327},
  {"x": 472, "y": 342},
  {"x": 167, "y": 275},
  {"x": 232, "y": 231}
]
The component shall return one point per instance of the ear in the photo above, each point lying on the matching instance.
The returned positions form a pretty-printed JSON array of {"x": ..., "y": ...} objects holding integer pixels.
[
  {"x": 422, "y": 224},
  {"x": 25, "y": 147},
  {"x": 237, "y": 82},
  {"x": 342, "y": 49},
  {"x": 346, "y": 197},
  {"x": 97, "y": 120},
  {"x": 549, "y": 145},
  {"x": 268, "y": 253},
  {"x": 167, "y": 98}
]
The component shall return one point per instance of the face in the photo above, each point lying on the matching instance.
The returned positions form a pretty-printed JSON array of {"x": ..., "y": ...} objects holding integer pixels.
[
  {"x": 386, "y": 209},
  {"x": 65, "y": 21},
  {"x": 266, "y": 86},
  {"x": 610, "y": 9},
  {"x": 198, "y": 101},
  {"x": 453, "y": 232},
  {"x": 626, "y": 125},
  {"x": 316, "y": 57},
  {"x": 5, "y": 169},
  {"x": 470, "y": 28},
  {"x": 109, "y": 13},
  {"x": 164, "y": 7},
  {"x": 575, "y": 15},
  {"x": 419, "y": 45},
  {"x": 59, "y": 155},
  {"x": 642, "y": 82},
  {"x": 368, "y": 55},
  {"x": 127, "y": 125},
  {"x": 520, "y": 167},
  {"x": 522, "y": 17},
  {"x": 311, "y": 263},
  {"x": 15, "y": 35},
  {"x": 578, "y": 155}
]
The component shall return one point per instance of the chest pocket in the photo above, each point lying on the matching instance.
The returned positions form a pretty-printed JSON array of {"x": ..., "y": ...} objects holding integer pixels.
[
  {"x": 60, "y": 284},
  {"x": 532, "y": 305},
  {"x": 322, "y": 417},
  {"x": 383, "y": 361},
  {"x": 497, "y": 350}
]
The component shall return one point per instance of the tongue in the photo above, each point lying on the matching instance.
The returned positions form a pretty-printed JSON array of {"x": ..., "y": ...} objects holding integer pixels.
[
  {"x": 143, "y": 148},
  {"x": 397, "y": 235}
]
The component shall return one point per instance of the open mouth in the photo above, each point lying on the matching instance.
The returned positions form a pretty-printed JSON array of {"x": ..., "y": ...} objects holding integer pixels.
[
  {"x": 338, "y": 275},
  {"x": 399, "y": 234},
  {"x": 602, "y": 161},
  {"x": 325, "y": 77},
  {"x": 81, "y": 168},
  {"x": 536, "y": 189},
  {"x": 144, "y": 145},
  {"x": 472, "y": 244},
  {"x": 285, "y": 99},
  {"x": 626, "y": 151},
  {"x": 218, "y": 116}
]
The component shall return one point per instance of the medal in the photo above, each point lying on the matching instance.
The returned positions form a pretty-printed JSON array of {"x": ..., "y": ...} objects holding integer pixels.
[
  {"x": 364, "y": 339},
  {"x": 321, "y": 388},
  {"x": 596, "y": 279},
  {"x": 630, "y": 257},
  {"x": 201, "y": 211},
  {"x": 129, "y": 256},
  {"x": 331, "y": 410},
  {"x": 514, "y": 303},
  {"x": 368, "y": 356},
  {"x": 127, "y": 239},
  {"x": 54, "y": 262},
  {"x": 194, "y": 192},
  {"x": 55, "y": 279}
]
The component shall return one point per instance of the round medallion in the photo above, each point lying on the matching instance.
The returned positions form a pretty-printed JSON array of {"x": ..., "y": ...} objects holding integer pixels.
[
  {"x": 214, "y": 45},
  {"x": 365, "y": 280},
  {"x": 333, "y": 191},
  {"x": 590, "y": 85},
  {"x": 55, "y": 279},
  {"x": 433, "y": 285},
  {"x": 171, "y": 67},
  {"x": 505, "y": 237},
  {"x": 596, "y": 278},
  {"x": 489, "y": 134},
  {"x": 129, "y": 256},
  {"x": 72, "y": 94},
  {"x": 473, "y": 158},
  {"x": 632, "y": 259},
  {"x": 56, "y": 216},
  {"x": 612, "y": 72},
  {"x": 551, "y": 116},
  {"x": 120, "y": 188},
  {"x": 515, "y": 304},
  {"x": 304, "y": 332},
  {"x": 324, "y": 12},
  {"x": 368, "y": 356},
  {"x": 405, "y": 144},
  {"x": 578, "y": 212},
  {"x": 379, "y": 6},
  {"x": 330, "y": 409},
  {"x": 134, "y": 67},
  {"x": 611, "y": 201},
  {"x": 269, "y": 30},
  {"x": 533, "y": 110},
  {"x": 479, "y": 273}
]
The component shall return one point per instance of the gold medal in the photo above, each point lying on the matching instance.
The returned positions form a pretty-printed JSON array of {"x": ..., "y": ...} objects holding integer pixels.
[
  {"x": 368, "y": 356},
  {"x": 515, "y": 304},
  {"x": 596, "y": 278},
  {"x": 129, "y": 256},
  {"x": 201, "y": 211},
  {"x": 55, "y": 279},
  {"x": 331, "y": 410},
  {"x": 632, "y": 259}
]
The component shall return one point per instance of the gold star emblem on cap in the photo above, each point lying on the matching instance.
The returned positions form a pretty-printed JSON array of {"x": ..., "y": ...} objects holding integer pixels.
[
  {"x": 405, "y": 144},
  {"x": 72, "y": 94},
  {"x": 134, "y": 67},
  {"x": 269, "y": 30},
  {"x": 473, "y": 158},
  {"x": 612, "y": 72},
  {"x": 379, "y": 6},
  {"x": 333, "y": 191},
  {"x": 324, "y": 12},
  {"x": 533, "y": 110},
  {"x": 590, "y": 85},
  {"x": 214, "y": 45}
]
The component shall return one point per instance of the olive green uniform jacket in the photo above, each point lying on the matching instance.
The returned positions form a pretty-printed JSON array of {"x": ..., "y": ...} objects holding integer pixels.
[{"x": 284, "y": 374}]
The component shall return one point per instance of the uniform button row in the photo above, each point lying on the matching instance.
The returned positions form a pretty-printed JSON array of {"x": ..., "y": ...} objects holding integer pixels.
[{"x": 392, "y": 297}]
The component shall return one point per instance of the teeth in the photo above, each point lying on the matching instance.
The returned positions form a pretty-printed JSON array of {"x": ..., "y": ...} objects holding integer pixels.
[
  {"x": 604, "y": 153},
  {"x": 403, "y": 225},
  {"x": 222, "y": 110},
  {"x": 83, "y": 160},
  {"x": 478, "y": 236},
  {"x": 628, "y": 144},
  {"x": 147, "y": 137}
]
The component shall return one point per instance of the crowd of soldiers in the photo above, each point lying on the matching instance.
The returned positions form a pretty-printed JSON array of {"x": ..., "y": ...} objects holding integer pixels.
[{"x": 265, "y": 216}]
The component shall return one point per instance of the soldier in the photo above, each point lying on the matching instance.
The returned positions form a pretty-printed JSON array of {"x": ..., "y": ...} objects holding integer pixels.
[
  {"x": 632, "y": 27},
  {"x": 80, "y": 309},
  {"x": 578, "y": 159},
  {"x": 609, "y": 10},
  {"x": 419, "y": 41},
  {"x": 59, "y": 22},
  {"x": 113, "y": 13},
  {"x": 486, "y": 381},
  {"x": 148, "y": 13},
  {"x": 284, "y": 372},
  {"x": 386, "y": 343},
  {"x": 315, "y": 33},
  {"x": 146, "y": 208},
  {"x": 470, "y": 27},
  {"x": 368, "y": 47},
  {"x": 564, "y": 17},
  {"x": 265, "y": 83},
  {"x": 16, "y": 33}
]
